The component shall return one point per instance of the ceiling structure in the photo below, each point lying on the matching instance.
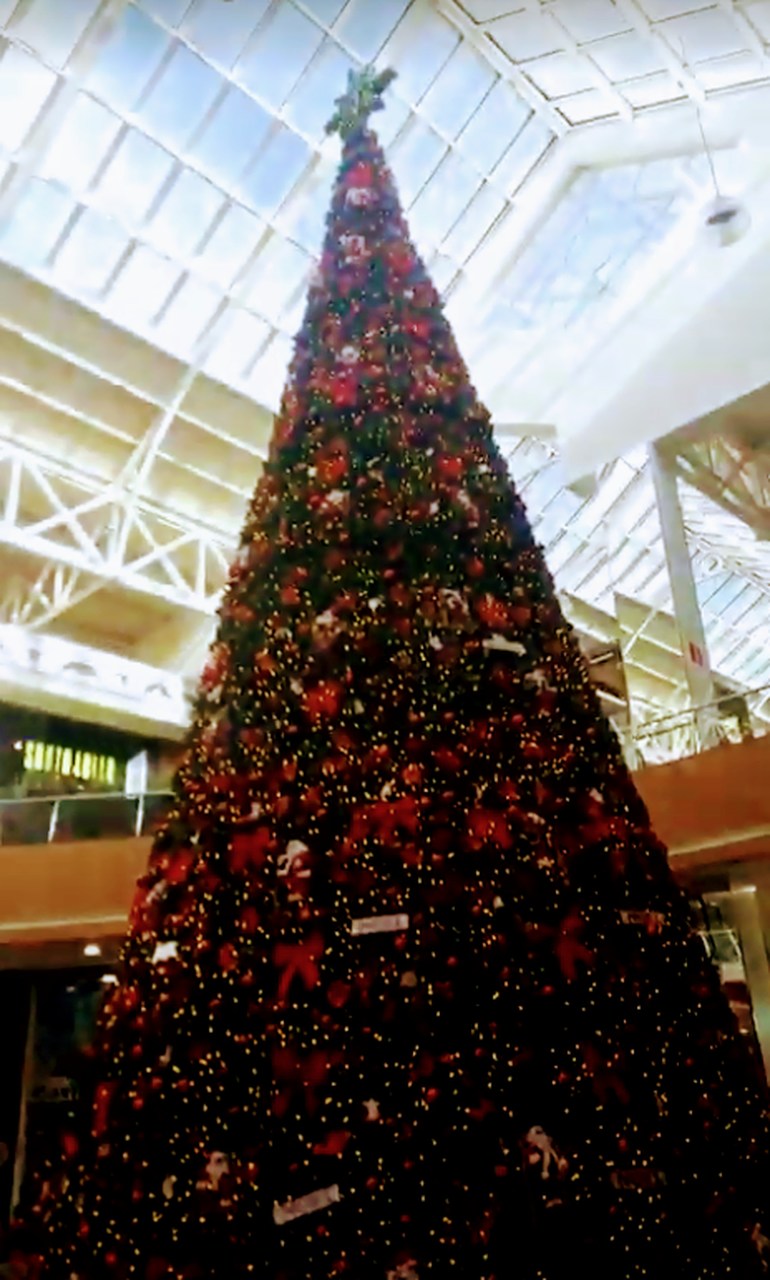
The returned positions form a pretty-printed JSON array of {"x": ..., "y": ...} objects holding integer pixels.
[{"x": 165, "y": 178}]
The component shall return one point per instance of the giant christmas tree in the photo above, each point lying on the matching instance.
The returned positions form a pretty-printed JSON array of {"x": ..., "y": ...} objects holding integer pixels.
[{"x": 409, "y": 991}]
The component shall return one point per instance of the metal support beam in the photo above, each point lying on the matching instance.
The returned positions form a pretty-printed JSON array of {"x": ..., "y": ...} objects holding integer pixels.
[
  {"x": 687, "y": 612},
  {"x": 742, "y": 907},
  {"x": 172, "y": 559}
]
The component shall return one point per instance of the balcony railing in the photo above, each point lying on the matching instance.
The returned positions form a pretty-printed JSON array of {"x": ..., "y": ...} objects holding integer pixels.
[
  {"x": 89, "y": 816},
  {"x": 85, "y": 816},
  {"x": 734, "y": 717}
]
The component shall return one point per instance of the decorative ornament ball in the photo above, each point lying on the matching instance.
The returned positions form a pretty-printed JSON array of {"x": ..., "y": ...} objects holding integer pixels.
[{"x": 359, "y": 197}]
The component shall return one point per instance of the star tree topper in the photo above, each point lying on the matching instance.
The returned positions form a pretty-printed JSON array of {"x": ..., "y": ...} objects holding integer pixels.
[{"x": 362, "y": 97}]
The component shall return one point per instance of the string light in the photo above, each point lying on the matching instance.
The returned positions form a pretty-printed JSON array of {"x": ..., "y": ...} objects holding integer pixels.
[{"x": 529, "y": 1067}]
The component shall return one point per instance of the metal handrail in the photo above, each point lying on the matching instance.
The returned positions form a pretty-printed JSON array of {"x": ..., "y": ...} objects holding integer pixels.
[{"x": 671, "y": 719}]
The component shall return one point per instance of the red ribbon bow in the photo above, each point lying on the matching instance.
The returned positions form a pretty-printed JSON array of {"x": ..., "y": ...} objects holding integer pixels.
[{"x": 298, "y": 960}]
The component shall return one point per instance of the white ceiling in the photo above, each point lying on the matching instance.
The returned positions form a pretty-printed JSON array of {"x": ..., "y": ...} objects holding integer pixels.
[{"x": 165, "y": 178}]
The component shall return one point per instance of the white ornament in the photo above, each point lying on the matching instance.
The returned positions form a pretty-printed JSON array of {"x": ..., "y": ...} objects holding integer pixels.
[
  {"x": 336, "y": 497},
  {"x": 454, "y": 600},
  {"x": 216, "y": 1169},
  {"x": 538, "y": 678},
  {"x": 291, "y": 1209},
  {"x": 359, "y": 197},
  {"x": 375, "y": 603},
  {"x": 294, "y": 853},
  {"x": 353, "y": 248},
  {"x": 349, "y": 354},
  {"x": 596, "y": 795},
  {"x": 372, "y": 1109},
  {"x": 436, "y": 642},
  {"x": 500, "y": 644},
  {"x": 406, "y": 1271},
  {"x": 542, "y": 1152},
  {"x": 379, "y": 924},
  {"x": 165, "y": 951},
  {"x": 157, "y": 891}
]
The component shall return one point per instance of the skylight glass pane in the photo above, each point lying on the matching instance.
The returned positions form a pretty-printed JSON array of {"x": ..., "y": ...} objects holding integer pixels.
[
  {"x": 185, "y": 214},
  {"x": 522, "y": 156},
  {"x": 472, "y": 226},
  {"x": 304, "y": 216},
  {"x": 457, "y": 90},
  {"x": 420, "y": 46},
  {"x": 133, "y": 177},
  {"x": 53, "y": 29},
  {"x": 415, "y": 156},
  {"x": 129, "y": 57},
  {"x": 279, "y": 53},
  {"x": 735, "y": 612},
  {"x": 24, "y": 87},
  {"x": 489, "y": 132},
  {"x": 279, "y": 271},
  {"x": 275, "y": 171},
  {"x": 142, "y": 287},
  {"x": 35, "y": 222},
  {"x": 364, "y": 27},
  {"x": 239, "y": 339},
  {"x": 445, "y": 195},
  {"x": 391, "y": 121},
  {"x": 326, "y": 11},
  {"x": 180, "y": 97},
  {"x": 312, "y": 101},
  {"x": 187, "y": 316},
  {"x": 219, "y": 30},
  {"x": 80, "y": 143},
  {"x": 169, "y": 11},
  {"x": 231, "y": 243},
  {"x": 90, "y": 253},
  {"x": 442, "y": 271},
  {"x": 232, "y": 137},
  {"x": 269, "y": 375}
]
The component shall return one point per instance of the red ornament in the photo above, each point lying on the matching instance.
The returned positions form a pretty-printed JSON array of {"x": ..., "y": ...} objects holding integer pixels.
[
  {"x": 570, "y": 951},
  {"x": 323, "y": 701},
  {"x": 492, "y": 612},
  {"x": 343, "y": 391},
  {"x": 488, "y": 826},
  {"x": 450, "y": 466},
  {"x": 249, "y": 849},
  {"x": 228, "y": 958},
  {"x": 332, "y": 1145},
  {"x": 338, "y": 993},
  {"x": 360, "y": 174}
]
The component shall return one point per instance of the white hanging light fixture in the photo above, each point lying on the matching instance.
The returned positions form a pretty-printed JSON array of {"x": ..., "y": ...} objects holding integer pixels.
[{"x": 724, "y": 219}]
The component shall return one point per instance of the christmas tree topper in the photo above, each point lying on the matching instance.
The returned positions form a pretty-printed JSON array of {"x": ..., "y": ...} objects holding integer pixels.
[{"x": 363, "y": 96}]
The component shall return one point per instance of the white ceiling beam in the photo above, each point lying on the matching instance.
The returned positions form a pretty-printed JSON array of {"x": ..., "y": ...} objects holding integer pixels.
[{"x": 98, "y": 559}]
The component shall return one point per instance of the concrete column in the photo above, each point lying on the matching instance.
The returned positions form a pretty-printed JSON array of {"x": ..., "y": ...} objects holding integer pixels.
[
  {"x": 742, "y": 909},
  {"x": 685, "y": 597}
]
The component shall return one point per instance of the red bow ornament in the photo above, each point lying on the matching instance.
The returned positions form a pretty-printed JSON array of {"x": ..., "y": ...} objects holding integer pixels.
[{"x": 298, "y": 961}]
